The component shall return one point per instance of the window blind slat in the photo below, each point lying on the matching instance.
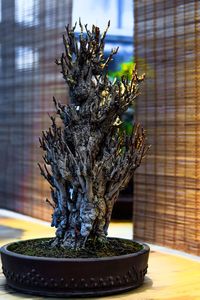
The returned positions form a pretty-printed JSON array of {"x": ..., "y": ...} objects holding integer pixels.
[
  {"x": 31, "y": 39},
  {"x": 167, "y": 186}
]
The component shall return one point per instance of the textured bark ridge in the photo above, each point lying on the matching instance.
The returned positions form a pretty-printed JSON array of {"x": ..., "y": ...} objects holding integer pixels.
[{"x": 89, "y": 158}]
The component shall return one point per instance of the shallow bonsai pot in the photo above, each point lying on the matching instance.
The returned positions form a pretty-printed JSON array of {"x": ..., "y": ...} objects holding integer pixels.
[{"x": 74, "y": 277}]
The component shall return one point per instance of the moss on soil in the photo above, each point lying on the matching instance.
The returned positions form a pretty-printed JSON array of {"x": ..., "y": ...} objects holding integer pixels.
[{"x": 42, "y": 248}]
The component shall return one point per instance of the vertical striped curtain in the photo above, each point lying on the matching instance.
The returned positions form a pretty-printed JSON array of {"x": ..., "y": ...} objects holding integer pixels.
[
  {"x": 30, "y": 40},
  {"x": 167, "y": 186}
]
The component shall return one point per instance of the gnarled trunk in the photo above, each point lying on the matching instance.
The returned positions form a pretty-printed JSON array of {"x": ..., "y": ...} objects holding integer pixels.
[{"x": 83, "y": 219}]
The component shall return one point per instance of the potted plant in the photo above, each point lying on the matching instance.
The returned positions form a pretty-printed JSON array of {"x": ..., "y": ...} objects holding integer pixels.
[{"x": 88, "y": 159}]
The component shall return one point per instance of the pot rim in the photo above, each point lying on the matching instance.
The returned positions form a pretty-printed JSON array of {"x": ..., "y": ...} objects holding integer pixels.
[{"x": 4, "y": 250}]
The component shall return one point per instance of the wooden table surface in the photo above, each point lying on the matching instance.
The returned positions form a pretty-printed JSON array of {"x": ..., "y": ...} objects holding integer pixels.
[{"x": 170, "y": 276}]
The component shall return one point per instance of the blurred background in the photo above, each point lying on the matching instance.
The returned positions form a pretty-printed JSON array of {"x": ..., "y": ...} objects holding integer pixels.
[{"x": 163, "y": 38}]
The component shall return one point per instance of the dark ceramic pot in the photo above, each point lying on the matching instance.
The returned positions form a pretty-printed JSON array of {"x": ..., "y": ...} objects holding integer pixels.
[{"x": 80, "y": 277}]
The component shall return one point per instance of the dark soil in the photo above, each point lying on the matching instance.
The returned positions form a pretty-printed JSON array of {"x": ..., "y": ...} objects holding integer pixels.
[{"x": 42, "y": 248}]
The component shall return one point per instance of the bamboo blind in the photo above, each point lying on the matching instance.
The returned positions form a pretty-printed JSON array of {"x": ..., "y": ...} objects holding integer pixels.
[
  {"x": 31, "y": 39},
  {"x": 167, "y": 186}
]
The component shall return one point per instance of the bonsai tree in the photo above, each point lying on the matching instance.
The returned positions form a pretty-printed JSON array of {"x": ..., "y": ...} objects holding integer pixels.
[{"x": 88, "y": 157}]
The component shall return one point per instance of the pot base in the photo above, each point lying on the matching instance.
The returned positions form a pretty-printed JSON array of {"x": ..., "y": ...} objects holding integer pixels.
[{"x": 80, "y": 277}]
